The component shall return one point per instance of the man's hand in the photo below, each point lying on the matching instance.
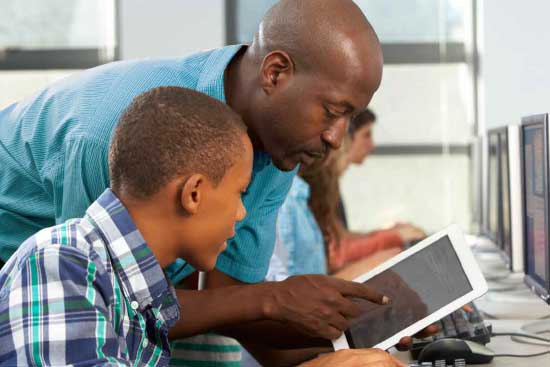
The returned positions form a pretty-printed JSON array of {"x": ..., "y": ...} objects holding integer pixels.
[
  {"x": 355, "y": 358},
  {"x": 406, "y": 342},
  {"x": 318, "y": 305}
]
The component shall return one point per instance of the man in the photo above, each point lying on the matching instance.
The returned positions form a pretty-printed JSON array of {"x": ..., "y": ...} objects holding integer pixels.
[{"x": 309, "y": 69}]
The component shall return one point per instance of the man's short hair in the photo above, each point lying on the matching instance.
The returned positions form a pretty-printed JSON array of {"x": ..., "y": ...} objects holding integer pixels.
[
  {"x": 361, "y": 119},
  {"x": 173, "y": 131}
]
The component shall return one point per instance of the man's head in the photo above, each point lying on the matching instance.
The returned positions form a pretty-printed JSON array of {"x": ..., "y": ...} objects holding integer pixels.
[
  {"x": 180, "y": 160},
  {"x": 314, "y": 64},
  {"x": 360, "y": 131}
]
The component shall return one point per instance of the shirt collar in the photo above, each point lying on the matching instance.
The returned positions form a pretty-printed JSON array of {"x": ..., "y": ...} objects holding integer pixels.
[
  {"x": 211, "y": 78},
  {"x": 142, "y": 279}
]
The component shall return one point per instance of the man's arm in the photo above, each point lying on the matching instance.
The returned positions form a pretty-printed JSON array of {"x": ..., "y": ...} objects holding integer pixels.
[
  {"x": 297, "y": 316},
  {"x": 317, "y": 305}
]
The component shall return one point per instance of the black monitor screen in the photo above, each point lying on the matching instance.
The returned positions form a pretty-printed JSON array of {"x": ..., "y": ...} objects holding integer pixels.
[
  {"x": 505, "y": 217},
  {"x": 493, "y": 219},
  {"x": 536, "y": 205},
  {"x": 417, "y": 286}
]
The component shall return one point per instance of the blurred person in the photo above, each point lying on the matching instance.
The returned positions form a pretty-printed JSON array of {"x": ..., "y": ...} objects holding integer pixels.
[{"x": 360, "y": 147}]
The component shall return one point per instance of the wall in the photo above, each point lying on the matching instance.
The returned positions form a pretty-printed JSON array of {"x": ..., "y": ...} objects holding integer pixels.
[
  {"x": 416, "y": 104},
  {"x": 514, "y": 42},
  {"x": 170, "y": 27}
]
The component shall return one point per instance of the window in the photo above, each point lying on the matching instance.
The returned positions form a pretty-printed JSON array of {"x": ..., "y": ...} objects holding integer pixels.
[{"x": 56, "y": 34}]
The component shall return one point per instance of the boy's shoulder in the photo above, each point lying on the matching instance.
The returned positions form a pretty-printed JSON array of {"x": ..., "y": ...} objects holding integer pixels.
[{"x": 75, "y": 238}]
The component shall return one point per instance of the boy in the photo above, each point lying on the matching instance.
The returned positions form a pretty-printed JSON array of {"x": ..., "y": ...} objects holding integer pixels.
[{"x": 92, "y": 291}]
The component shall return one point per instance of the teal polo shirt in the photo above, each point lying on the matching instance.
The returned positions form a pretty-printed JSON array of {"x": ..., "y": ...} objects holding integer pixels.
[{"x": 54, "y": 148}]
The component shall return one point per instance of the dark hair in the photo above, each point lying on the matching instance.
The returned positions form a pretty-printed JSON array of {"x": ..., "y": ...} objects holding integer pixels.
[
  {"x": 361, "y": 119},
  {"x": 172, "y": 131}
]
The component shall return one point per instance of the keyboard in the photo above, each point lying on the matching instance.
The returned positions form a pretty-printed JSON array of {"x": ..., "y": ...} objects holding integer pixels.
[
  {"x": 442, "y": 363},
  {"x": 459, "y": 324}
]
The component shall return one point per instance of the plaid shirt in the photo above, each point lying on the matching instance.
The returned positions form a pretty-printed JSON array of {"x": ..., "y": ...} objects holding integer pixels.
[{"x": 88, "y": 292}]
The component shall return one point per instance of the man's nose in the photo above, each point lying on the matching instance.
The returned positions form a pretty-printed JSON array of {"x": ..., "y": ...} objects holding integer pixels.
[{"x": 334, "y": 135}]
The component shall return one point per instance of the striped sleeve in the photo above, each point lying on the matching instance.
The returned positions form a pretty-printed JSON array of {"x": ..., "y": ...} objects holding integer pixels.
[
  {"x": 84, "y": 178},
  {"x": 58, "y": 314}
]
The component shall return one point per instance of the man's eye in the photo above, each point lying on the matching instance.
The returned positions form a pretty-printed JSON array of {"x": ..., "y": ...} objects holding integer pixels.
[{"x": 329, "y": 114}]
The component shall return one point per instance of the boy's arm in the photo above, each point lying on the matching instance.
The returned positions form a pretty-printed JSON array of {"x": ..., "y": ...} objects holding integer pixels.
[{"x": 57, "y": 313}]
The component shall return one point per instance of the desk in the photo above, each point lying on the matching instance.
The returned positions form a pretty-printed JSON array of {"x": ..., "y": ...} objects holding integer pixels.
[{"x": 511, "y": 309}]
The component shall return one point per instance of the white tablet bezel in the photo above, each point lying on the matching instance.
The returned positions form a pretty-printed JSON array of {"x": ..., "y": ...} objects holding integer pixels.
[{"x": 469, "y": 266}]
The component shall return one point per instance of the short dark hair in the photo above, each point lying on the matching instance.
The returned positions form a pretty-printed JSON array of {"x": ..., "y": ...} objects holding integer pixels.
[
  {"x": 173, "y": 131},
  {"x": 361, "y": 119}
]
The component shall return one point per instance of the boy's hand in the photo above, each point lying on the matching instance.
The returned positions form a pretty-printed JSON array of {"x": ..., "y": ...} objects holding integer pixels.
[
  {"x": 355, "y": 358},
  {"x": 318, "y": 305}
]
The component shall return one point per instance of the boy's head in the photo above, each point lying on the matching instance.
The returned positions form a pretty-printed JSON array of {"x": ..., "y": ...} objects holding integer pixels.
[
  {"x": 180, "y": 160},
  {"x": 360, "y": 131}
]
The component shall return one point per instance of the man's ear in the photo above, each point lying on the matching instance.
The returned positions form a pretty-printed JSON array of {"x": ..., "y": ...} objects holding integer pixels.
[
  {"x": 192, "y": 193},
  {"x": 276, "y": 70}
]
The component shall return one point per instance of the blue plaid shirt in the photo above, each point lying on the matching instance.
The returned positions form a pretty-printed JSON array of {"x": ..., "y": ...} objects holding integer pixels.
[{"x": 87, "y": 292}]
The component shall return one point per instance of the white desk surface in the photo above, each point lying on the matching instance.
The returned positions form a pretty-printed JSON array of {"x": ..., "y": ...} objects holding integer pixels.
[{"x": 507, "y": 311}]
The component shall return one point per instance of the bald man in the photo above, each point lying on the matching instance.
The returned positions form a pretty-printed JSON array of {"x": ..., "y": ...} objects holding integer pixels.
[{"x": 312, "y": 65}]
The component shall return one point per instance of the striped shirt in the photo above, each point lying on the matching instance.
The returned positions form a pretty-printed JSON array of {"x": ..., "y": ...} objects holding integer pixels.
[{"x": 87, "y": 292}]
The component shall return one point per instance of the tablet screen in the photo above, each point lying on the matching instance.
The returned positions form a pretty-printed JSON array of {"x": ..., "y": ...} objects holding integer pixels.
[{"x": 417, "y": 286}]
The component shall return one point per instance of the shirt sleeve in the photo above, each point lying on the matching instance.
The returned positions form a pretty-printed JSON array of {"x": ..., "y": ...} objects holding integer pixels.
[
  {"x": 83, "y": 177},
  {"x": 58, "y": 314},
  {"x": 249, "y": 252}
]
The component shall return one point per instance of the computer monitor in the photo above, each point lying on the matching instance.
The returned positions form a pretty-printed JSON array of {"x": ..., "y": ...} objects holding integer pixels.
[
  {"x": 476, "y": 184},
  {"x": 493, "y": 185},
  {"x": 504, "y": 239},
  {"x": 534, "y": 149},
  {"x": 514, "y": 250}
]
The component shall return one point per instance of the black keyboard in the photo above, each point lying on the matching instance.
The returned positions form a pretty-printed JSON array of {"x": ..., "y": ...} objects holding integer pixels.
[
  {"x": 442, "y": 363},
  {"x": 459, "y": 324}
]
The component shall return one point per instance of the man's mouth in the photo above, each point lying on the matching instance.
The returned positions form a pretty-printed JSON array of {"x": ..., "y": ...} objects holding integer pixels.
[
  {"x": 316, "y": 155},
  {"x": 309, "y": 157}
]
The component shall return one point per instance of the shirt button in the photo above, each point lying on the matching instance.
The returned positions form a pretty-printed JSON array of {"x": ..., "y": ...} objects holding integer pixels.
[
  {"x": 145, "y": 343},
  {"x": 134, "y": 305}
]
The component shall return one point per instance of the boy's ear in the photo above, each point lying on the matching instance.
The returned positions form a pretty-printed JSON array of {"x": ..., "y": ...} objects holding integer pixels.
[{"x": 192, "y": 192}]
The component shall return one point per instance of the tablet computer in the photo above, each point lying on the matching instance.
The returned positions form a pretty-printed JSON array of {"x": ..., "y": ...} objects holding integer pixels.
[{"x": 424, "y": 283}]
